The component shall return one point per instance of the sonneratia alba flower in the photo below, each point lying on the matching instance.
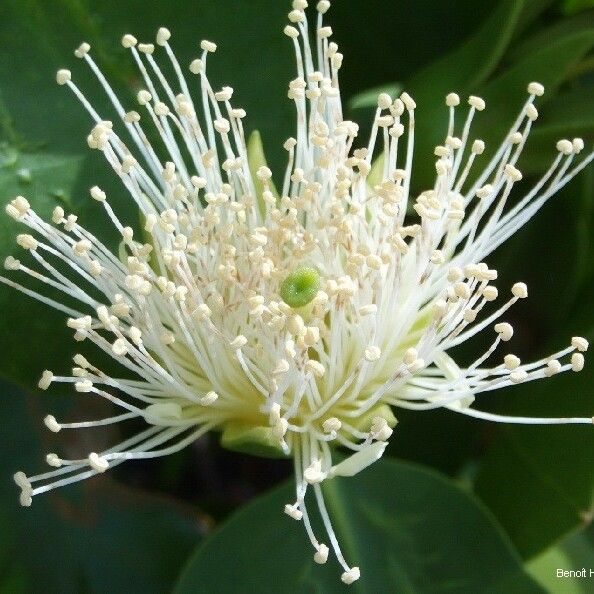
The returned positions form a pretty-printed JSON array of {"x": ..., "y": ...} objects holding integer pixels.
[{"x": 296, "y": 319}]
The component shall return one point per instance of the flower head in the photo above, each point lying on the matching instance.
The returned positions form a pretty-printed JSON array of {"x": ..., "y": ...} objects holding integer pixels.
[{"x": 294, "y": 320}]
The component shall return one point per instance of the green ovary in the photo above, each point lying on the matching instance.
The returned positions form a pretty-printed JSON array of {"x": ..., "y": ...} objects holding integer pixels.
[{"x": 300, "y": 287}]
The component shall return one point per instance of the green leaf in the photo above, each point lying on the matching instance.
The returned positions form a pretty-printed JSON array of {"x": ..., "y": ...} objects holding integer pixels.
[
  {"x": 462, "y": 70},
  {"x": 46, "y": 180},
  {"x": 567, "y": 115},
  {"x": 550, "y": 66},
  {"x": 575, "y": 6},
  {"x": 574, "y": 553},
  {"x": 409, "y": 530},
  {"x": 393, "y": 40},
  {"x": 368, "y": 98},
  {"x": 542, "y": 36},
  {"x": 471, "y": 64},
  {"x": 94, "y": 537},
  {"x": 538, "y": 480}
]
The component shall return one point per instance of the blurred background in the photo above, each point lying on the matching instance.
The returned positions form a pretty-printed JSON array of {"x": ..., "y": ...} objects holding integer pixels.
[{"x": 134, "y": 530}]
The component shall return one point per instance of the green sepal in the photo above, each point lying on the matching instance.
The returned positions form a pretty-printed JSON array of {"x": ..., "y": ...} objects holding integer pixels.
[
  {"x": 257, "y": 159},
  {"x": 250, "y": 439},
  {"x": 363, "y": 423}
]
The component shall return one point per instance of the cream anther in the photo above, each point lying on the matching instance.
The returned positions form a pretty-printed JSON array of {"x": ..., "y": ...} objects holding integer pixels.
[
  {"x": 313, "y": 473},
  {"x": 512, "y": 173},
  {"x": 323, "y": 6},
  {"x": 408, "y": 101},
  {"x": 476, "y": 102},
  {"x": 11, "y": 263},
  {"x": 384, "y": 101},
  {"x": 144, "y": 97},
  {"x": 372, "y": 353},
  {"x": 485, "y": 191},
  {"x": 490, "y": 293},
  {"x": 238, "y": 342},
  {"x": 27, "y": 242},
  {"x": 296, "y": 16},
  {"x": 209, "y": 398},
  {"x": 222, "y": 126},
  {"x": 579, "y": 343},
  {"x": 511, "y": 362},
  {"x": 82, "y": 50},
  {"x": 46, "y": 379},
  {"x": 129, "y": 41},
  {"x": 380, "y": 430},
  {"x": 84, "y": 386},
  {"x": 321, "y": 555},
  {"x": 331, "y": 425},
  {"x": 53, "y": 460},
  {"x": 504, "y": 330},
  {"x": 51, "y": 423},
  {"x": 478, "y": 147},
  {"x": 18, "y": 207},
  {"x": 520, "y": 290},
  {"x": 97, "y": 462},
  {"x": 163, "y": 36},
  {"x": 553, "y": 367},
  {"x": 565, "y": 146},
  {"x": 452, "y": 100},
  {"x": 531, "y": 112},
  {"x": 196, "y": 66},
  {"x": 315, "y": 367},
  {"x": 462, "y": 290},
  {"x": 63, "y": 76},
  {"x": 516, "y": 138},
  {"x": 350, "y": 576},
  {"x": 367, "y": 310},
  {"x": 208, "y": 46},
  {"x": 58, "y": 215},
  {"x": 577, "y": 361},
  {"x": 131, "y": 117},
  {"x": 535, "y": 88},
  {"x": 293, "y": 511},
  {"x": 291, "y": 32},
  {"x": 578, "y": 145},
  {"x": 518, "y": 376},
  {"x": 146, "y": 48},
  {"x": 224, "y": 94},
  {"x": 97, "y": 194}
]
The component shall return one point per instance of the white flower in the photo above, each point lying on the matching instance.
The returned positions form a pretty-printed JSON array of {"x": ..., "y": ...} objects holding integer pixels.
[{"x": 305, "y": 315}]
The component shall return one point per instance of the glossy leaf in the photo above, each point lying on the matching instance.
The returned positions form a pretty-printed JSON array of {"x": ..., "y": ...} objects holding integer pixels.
[
  {"x": 567, "y": 115},
  {"x": 574, "y": 553},
  {"x": 409, "y": 529},
  {"x": 538, "y": 480},
  {"x": 574, "y": 6},
  {"x": 46, "y": 180},
  {"x": 462, "y": 70},
  {"x": 98, "y": 537},
  {"x": 506, "y": 94},
  {"x": 368, "y": 98},
  {"x": 471, "y": 64}
]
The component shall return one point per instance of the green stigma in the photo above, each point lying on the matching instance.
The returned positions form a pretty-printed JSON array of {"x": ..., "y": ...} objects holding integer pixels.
[{"x": 300, "y": 287}]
